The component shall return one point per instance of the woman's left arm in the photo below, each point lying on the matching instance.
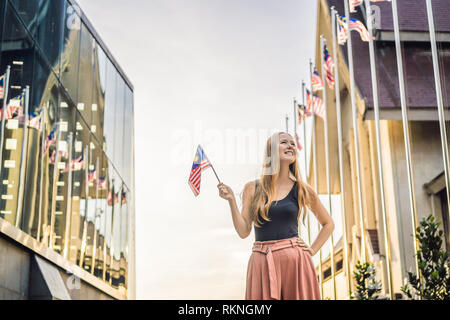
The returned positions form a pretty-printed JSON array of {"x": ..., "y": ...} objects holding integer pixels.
[{"x": 324, "y": 219}]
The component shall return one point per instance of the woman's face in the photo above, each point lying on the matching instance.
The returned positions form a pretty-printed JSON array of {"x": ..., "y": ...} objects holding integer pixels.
[{"x": 287, "y": 149}]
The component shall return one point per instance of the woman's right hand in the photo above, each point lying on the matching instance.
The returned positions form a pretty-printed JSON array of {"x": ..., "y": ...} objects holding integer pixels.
[{"x": 225, "y": 191}]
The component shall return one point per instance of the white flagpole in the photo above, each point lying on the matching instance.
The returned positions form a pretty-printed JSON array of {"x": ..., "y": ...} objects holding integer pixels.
[
  {"x": 440, "y": 104},
  {"x": 355, "y": 132},
  {"x": 315, "y": 172},
  {"x": 404, "y": 108},
  {"x": 23, "y": 157},
  {"x": 67, "y": 233},
  {"x": 341, "y": 157},
  {"x": 306, "y": 158},
  {"x": 376, "y": 108},
  {"x": 327, "y": 162}
]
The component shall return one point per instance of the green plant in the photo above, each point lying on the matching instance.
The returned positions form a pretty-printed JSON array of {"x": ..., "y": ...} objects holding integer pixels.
[
  {"x": 433, "y": 264},
  {"x": 366, "y": 285}
]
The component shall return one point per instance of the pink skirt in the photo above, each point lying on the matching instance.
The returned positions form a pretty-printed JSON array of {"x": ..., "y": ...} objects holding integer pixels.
[{"x": 281, "y": 270}]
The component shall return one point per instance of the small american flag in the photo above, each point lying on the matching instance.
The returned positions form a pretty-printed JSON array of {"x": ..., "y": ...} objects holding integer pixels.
[
  {"x": 299, "y": 146},
  {"x": 328, "y": 67},
  {"x": 2, "y": 86},
  {"x": 124, "y": 197},
  {"x": 315, "y": 104},
  {"x": 51, "y": 139},
  {"x": 110, "y": 199},
  {"x": 101, "y": 183},
  {"x": 342, "y": 32},
  {"x": 303, "y": 113},
  {"x": 354, "y": 25},
  {"x": 354, "y": 4},
  {"x": 201, "y": 163},
  {"x": 92, "y": 175},
  {"x": 316, "y": 81},
  {"x": 14, "y": 106},
  {"x": 76, "y": 164}
]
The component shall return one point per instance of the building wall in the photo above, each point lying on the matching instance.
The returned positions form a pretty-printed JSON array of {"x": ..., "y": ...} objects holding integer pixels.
[{"x": 14, "y": 271}]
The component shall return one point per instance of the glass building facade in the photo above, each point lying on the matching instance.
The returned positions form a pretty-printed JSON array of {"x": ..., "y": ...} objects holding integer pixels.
[{"x": 67, "y": 152}]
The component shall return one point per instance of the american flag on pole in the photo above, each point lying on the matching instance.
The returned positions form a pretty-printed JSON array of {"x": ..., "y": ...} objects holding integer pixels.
[
  {"x": 76, "y": 164},
  {"x": 12, "y": 107},
  {"x": 342, "y": 32},
  {"x": 201, "y": 163},
  {"x": 316, "y": 81},
  {"x": 51, "y": 139},
  {"x": 299, "y": 146},
  {"x": 328, "y": 67},
  {"x": 2, "y": 86},
  {"x": 315, "y": 104},
  {"x": 303, "y": 113},
  {"x": 354, "y": 25}
]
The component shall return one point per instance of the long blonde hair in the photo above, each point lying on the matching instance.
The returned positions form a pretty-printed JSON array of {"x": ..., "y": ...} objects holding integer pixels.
[{"x": 265, "y": 192}]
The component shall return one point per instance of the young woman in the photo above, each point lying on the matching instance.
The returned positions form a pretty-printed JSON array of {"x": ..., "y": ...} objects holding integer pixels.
[{"x": 280, "y": 266}]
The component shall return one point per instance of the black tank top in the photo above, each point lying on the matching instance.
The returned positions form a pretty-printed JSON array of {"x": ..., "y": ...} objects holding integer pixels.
[{"x": 283, "y": 222}]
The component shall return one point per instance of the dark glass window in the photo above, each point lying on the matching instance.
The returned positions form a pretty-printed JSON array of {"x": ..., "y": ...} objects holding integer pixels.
[
  {"x": 70, "y": 51},
  {"x": 85, "y": 76}
]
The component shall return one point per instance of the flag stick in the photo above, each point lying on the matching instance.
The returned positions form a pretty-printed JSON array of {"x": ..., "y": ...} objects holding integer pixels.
[{"x": 210, "y": 164}]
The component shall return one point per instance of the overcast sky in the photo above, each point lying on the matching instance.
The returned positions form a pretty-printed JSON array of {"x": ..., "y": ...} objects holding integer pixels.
[{"x": 221, "y": 73}]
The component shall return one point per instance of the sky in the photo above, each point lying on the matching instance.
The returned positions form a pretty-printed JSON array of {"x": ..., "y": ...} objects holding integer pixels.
[{"x": 220, "y": 73}]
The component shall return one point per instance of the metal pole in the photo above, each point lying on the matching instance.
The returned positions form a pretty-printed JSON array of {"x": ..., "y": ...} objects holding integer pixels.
[
  {"x": 376, "y": 108},
  {"x": 86, "y": 194},
  {"x": 23, "y": 157},
  {"x": 54, "y": 187},
  {"x": 306, "y": 159},
  {"x": 341, "y": 157},
  {"x": 67, "y": 232},
  {"x": 94, "y": 248},
  {"x": 355, "y": 132},
  {"x": 5, "y": 99},
  {"x": 287, "y": 123},
  {"x": 327, "y": 164},
  {"x": 440, "y": 104},
  {"x": 315, "y": 175},
  {"x": 41, "y": 173},
  {"x": 412, "y": 196}
]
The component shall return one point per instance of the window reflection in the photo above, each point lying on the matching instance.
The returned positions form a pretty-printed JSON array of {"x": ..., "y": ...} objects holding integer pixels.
[{"x": 66, "y": 161}]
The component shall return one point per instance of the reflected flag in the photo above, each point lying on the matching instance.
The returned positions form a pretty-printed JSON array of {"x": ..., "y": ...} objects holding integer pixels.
[
  {"x": 76, "y": 164},
  {"x": 124, "y": 197},
  {"x": 12, "y": 108},
  {"x": 110, "y": 199},
  {"x": 299, "y": 146},
  {"x": 316, "y": 81},
  {"x": 328, "y": 67},
  {"x": 201, "y": 163},
  {"x": 92, "y": 175},
  {"x": 63, "y": 154},
  {"x": 51, "y": 139},
  {"x": 2, "y": 86},
  {"x": 101, "y": 183},
  {"x": 342, "y": 32}
]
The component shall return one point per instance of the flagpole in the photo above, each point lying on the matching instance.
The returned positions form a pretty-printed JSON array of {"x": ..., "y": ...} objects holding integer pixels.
[
  {"x": 86, "y": 195},
  {"x": 305, "y": 158},
  {"x": 315, "y": 173},
  {"x": 67, "y": 236},
  {"x": 439, "y": 98},
  {"x": 341, "y": 157},
  {"x": 5, "y": 99},
  {"x": 376, "y": 108},
  {"x": 23, "y": 157},
  {"x": 54, "y": 186},
  {"x": 41, "y": 173},
  {"x": 327, "y": 162},
  {"x": 355, "y": 131},
  {"x": 94, "y": 247},
  {"x": 210, "y": 163},
  {"x": 412, "y": 196},
  {"x": 287, "y": 123}
]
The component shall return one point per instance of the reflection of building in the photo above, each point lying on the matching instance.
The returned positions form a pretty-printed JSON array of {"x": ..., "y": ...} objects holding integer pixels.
[
  {"x": 426, "y": 148},
  {"x": 69, "y": 210}
]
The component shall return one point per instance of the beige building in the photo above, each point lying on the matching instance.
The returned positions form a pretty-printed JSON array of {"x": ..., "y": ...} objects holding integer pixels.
[{"x": 425, "y": 140}]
